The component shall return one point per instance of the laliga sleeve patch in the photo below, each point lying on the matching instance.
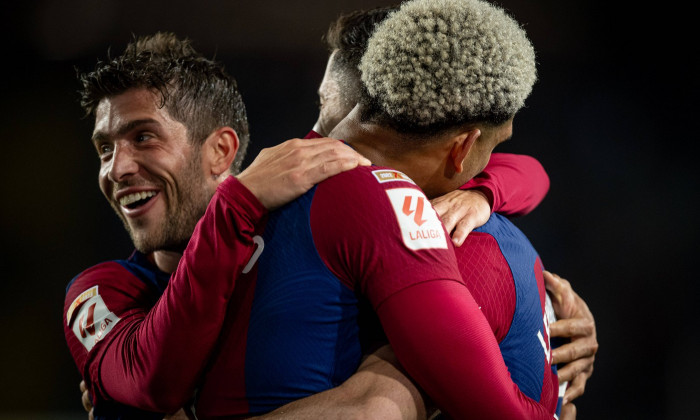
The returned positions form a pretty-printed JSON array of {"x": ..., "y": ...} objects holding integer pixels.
[
  {"x": 420, "y": 226},
  {"x": 93, "y": 320},
  {"x": 388, "y": 175}
]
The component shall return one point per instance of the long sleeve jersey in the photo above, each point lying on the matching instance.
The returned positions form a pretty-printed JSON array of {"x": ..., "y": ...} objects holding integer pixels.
[{"x": 152, "y": 356}]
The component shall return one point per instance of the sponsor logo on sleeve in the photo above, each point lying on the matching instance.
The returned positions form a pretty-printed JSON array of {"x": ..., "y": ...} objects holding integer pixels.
[
  {"x": 91, "y": 292},
  {"x": 420, "y": 226},
  {"x": 389, "y": 175},
  {"x": 93, "y": 319}
]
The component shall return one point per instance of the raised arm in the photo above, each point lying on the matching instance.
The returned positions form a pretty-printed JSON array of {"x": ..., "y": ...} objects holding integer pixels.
[
  {"x": 515, "y": 184},
  {"x": 512, "y": 185}
]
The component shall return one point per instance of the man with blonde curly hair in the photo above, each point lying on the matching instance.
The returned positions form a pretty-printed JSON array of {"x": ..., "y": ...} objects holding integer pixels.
[
  {"x": 339, "y": 92},
  {"x": 443, "y": 81}
]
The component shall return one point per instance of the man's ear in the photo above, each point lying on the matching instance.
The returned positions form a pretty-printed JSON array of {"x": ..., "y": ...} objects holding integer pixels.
[
  {"x": 219, "y": 150},
  {"x": 461, "y": 146}
]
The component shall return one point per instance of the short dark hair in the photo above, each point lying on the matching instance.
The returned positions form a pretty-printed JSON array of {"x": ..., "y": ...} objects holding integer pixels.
[
  {"x": 348, "y": 36},
  {"x": 195, "y": 91}
]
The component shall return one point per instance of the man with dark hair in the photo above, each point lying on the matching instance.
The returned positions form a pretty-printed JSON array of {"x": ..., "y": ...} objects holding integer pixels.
[
  {"x": 184, "y": 81},
  {"x": 164, "y": 153},
  {"x": 341, "y": 87},
  {"x": 339, "y": 92}
]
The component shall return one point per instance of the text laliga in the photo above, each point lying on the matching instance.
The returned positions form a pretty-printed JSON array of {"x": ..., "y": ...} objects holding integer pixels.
[
  {"x": 88, "y": 327},
  {"x": 424, "y": 234},
  {"x": 103, "y": 326}
]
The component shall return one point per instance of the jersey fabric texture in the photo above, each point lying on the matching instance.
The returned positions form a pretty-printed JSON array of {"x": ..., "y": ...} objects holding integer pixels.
[
  {"x": 293, "y": 330},
  {"x": 284, "y": 307},
  {"x": 505, "y": 274}
]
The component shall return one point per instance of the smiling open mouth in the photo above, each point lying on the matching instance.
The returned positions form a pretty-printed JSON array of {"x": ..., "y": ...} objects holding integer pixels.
[{"x": 136, "y": 200}]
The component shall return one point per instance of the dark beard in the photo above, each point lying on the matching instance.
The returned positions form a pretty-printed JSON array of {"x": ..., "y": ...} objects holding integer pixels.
[{"x": 175, "y": 231}]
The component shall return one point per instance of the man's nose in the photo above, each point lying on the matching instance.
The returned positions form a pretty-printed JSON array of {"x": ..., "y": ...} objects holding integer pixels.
[{"x": 123, "y": 162}]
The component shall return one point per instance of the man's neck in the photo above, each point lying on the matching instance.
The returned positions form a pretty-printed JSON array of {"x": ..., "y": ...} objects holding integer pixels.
[
  {"x": 426, "y": 165},
  {"x": 166, "y": 261}
]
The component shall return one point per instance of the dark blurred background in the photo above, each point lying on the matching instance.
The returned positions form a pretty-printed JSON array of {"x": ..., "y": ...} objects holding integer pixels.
[{"x": 611, "y": 119}]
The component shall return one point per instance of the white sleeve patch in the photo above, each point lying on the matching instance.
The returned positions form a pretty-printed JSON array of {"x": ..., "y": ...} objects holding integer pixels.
[
  {"x": 389, "y": 175},
  {"x": 93, "y": 320},
  {"x": 420, "y": 226}
]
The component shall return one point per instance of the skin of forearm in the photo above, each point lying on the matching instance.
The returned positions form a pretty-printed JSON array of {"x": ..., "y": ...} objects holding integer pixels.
[{"x": 378, "y": 390}]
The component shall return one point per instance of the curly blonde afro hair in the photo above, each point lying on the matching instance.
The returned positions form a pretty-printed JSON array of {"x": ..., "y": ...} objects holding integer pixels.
[{"x": 441, "y": 63}]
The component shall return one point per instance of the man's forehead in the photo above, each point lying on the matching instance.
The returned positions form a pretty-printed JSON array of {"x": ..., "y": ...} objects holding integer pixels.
[{"x": 114, "y": 112}]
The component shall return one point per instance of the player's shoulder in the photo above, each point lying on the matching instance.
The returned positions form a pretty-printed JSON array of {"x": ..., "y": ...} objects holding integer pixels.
[
  {"x": 112, "y": 277},
  {"x": 109, "y": 288},
  {"x": 368, "y": 179},
  {"x": 501, "y": 228},
  {"x": 120, "y": 274},
  {"x": 102, "y": 273},
  {"x": 90, "y": 285},
  {"x": 381, "y": 200}
]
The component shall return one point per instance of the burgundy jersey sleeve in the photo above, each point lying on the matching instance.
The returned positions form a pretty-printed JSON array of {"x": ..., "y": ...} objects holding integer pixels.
[
  {"x": 514, "y": 184},
  {"x": 96, "y": 303},
  {"x": 153, "y": 359},
  {"x": 379, "y": 234},
  {"x": 364, "y": 220}
]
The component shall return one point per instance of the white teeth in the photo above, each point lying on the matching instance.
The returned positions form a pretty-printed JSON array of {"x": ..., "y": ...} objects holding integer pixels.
[{"x": 132, "y": 198}]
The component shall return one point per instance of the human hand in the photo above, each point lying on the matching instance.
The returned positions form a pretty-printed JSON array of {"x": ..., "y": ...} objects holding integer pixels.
[
  {"x": 568, "y": 412},
  {"x": 462, "y": 211},
  {"x": 284, "y": 172},
  {"x": 87, "y": 403},
  {"x": 575, "y": 322}
]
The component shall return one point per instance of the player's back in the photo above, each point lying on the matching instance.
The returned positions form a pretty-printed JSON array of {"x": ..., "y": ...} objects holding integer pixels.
[
  {"x": 505, "y": 275},
  {"x": 292, "y": 327},
  {"x": 287, "y": 319}
]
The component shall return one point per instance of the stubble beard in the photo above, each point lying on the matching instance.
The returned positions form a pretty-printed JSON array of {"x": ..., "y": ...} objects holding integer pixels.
[{"x": 183, "y": 211}]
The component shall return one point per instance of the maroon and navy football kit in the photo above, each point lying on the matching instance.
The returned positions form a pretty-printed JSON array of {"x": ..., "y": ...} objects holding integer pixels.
[
  {"x": 505, "y": 275},
  {"x": 281, "y": 298},
  {"x": 122, "y": 323}
]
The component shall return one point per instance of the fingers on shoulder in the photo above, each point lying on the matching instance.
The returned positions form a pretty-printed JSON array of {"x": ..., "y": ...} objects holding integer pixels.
[{"x": 576, "y": 388}]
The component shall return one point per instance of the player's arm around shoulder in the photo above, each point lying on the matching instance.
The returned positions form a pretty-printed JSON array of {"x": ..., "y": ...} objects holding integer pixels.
[
  {"x": 284, "y": 172},
  {"x": 516, "y": 184}
]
